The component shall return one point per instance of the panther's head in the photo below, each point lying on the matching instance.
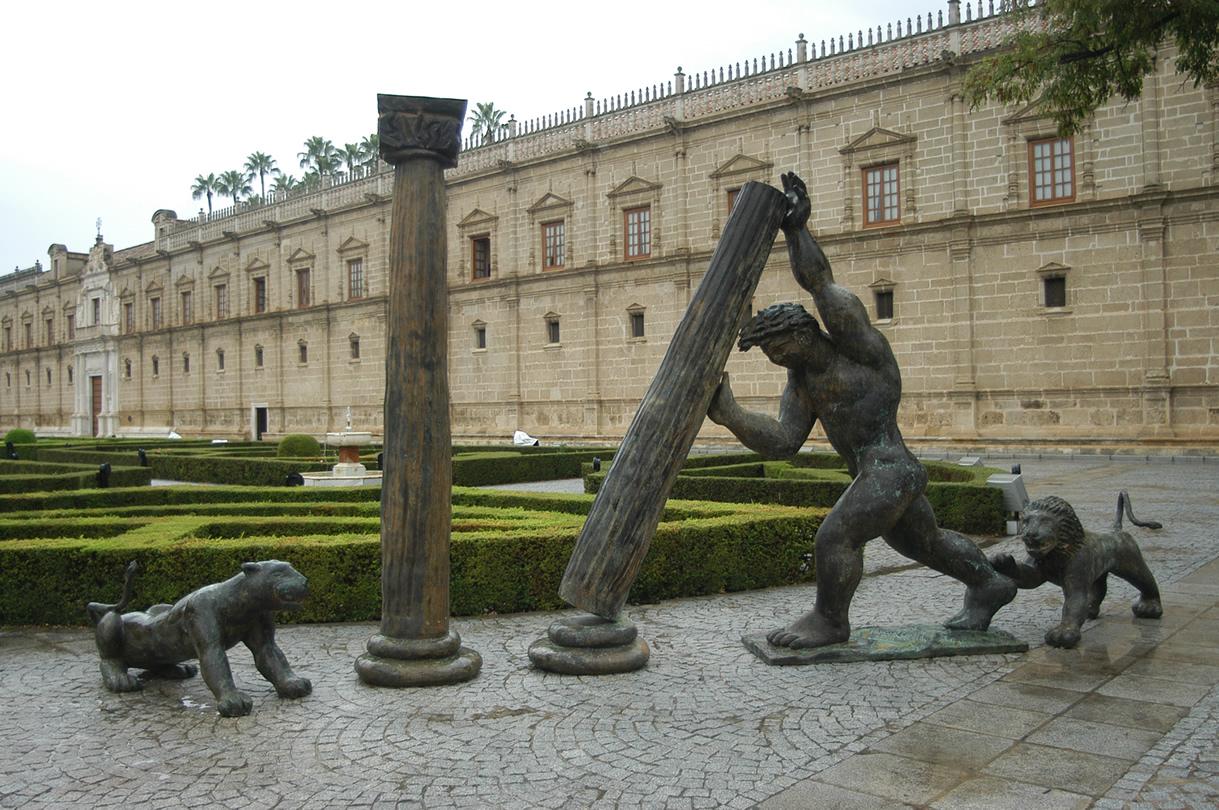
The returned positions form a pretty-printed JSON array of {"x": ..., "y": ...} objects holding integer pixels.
[
  {"x": 285, "y": 587},
  {"x": 1050, "y": 525}
]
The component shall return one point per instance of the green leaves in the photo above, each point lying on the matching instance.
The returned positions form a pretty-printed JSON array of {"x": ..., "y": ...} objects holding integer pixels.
[{"x": 1074, "y": 55}]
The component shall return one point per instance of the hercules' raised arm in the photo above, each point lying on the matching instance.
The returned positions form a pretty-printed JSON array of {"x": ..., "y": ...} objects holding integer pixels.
[{"x": 843, "y": 314}]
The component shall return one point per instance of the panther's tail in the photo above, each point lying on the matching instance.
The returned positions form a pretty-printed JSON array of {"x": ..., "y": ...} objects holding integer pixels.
[
  {"x": 96, "y": 609},
  {"x": 1123, "y": 505}
]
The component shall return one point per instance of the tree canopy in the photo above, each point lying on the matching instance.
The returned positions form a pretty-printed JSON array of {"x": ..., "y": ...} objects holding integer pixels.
[{"x": 1074, "y": 55}]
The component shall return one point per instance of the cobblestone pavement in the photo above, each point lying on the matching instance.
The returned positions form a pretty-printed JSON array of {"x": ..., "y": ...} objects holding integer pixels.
[{"x": 1130, "y": 718}]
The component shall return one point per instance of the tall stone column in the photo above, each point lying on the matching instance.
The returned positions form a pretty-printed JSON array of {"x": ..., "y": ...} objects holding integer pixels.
[{"x": 420, "y": 137}]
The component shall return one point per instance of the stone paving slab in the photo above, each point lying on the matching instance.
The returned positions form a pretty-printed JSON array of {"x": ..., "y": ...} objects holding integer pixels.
[{"x": 704, "y": 725}]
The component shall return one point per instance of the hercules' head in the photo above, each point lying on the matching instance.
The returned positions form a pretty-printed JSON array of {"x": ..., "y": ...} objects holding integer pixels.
[{"x": 786, "y": 333}]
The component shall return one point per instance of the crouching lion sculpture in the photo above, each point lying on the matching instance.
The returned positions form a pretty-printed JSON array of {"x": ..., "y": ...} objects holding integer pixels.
[
  {"x": 1061, "y": 551},
  {"x": 203, "y": 625}
]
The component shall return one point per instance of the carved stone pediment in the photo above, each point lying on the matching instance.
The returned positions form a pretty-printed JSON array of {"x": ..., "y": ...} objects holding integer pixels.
[
  {"x": 300, "y": 256},
  {"x": 353, "y": 245},
  {"x": 882, "y": 283},
  {"x": 742, "y": 164},
  {"x": 476, "y": 219},
  {"x": 1033, "y": 111},
  {"x": 257, "y": 265},
  {"x": 550, "y": 202},
  {"x": 634, "y": 185},
  {"x": 875, "y": 138},
  {"x": 1052, "y": 269},
  {"x": 218, "y": 273}
]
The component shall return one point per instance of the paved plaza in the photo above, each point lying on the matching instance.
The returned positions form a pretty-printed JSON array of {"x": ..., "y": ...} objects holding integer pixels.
[{"x": 1129, "y": 719}]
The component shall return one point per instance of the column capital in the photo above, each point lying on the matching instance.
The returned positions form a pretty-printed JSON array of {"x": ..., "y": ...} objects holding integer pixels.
[{"x": 414, "y": 127}]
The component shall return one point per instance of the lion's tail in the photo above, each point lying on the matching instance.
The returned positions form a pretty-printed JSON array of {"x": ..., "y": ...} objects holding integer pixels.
[
  {"x": 1123, "y": 506},
  {"x": 96, "y": 609}
]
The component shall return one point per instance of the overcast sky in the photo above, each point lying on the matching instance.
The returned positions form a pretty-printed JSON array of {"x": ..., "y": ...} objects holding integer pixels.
[{"x": 111, "y": 110}]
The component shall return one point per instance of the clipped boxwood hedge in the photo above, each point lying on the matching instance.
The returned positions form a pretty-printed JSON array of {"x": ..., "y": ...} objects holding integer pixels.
[
  {"x": 35, "y": 476},
  {"x": 20, "y": 436},
  {"x": 509, "y": 550},
  {"x": 959, "y": 495}
]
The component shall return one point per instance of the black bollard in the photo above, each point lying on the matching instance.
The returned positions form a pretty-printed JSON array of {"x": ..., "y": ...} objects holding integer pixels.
[
  {"x": 103, "y": 476},
  {"x": 596, "y": 464},
  {"x": 143, "y": 457},
  {"x": 294, "y": 479},
  {"x": 1015, "y": 469},
  {"x": 381, "y": 462},
  {"x": 10, "y": 451}
]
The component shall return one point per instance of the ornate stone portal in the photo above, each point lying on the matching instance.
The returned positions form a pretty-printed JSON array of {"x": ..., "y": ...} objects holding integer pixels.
[{"x": 420, "y": 137}]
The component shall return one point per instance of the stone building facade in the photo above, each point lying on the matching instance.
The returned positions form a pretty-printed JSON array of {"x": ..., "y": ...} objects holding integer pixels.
[{"x": 1034, "y": 288}]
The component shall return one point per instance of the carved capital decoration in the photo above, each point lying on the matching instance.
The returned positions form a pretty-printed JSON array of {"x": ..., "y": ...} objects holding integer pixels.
[{"x": 413, "y": 127}]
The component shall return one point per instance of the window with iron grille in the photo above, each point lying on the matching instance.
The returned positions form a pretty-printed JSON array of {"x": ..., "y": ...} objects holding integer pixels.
[
  {"x": 154, "y": 312},
  {"x": 637, "y": 324},
  {"x": 185, "y": 362},
  {"x": 884, "y": 305},
  {"x": 260, "y": 295},
  {"x": 1055, "y": 291},
  {"x": 302, "y": 288},
  {"x": 480, "y": 337},
  {"x": 128, "y": 317},
  {"x": 552, "y": 330},
  {"x": 188, "y": 312},
  {"x": 355, "y": 347},
  {"x": 222, "y": 301},
  {"x": 220, "y": 359},
  {"x": 50, "y": 331},
  {"x": 258, "y": 357}
]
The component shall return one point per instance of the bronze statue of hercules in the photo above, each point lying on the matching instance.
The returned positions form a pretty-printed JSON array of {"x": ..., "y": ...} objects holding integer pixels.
[{"x": 847, "y": 377}]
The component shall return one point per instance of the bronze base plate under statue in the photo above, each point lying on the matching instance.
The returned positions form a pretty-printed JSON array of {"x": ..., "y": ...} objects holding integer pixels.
[
  {"x": 396, "y": 662},
  {"x": 590, "y": 645},
  {"x": 889, "y": 644}
]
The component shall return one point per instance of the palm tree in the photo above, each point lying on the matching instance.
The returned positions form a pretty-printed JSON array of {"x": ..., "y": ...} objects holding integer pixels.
[
  {"x": 487, "y": 121},
  {"x": 352, "y": 155},
  {"x": 262, "y": 165},
  {"x": 319, "y": 155},
  {"x": 233, "y": 183},
  {"x": 205, "y": 185},
  {"x": 371, "y": 149},
  {"x": 285, "y": 183}
]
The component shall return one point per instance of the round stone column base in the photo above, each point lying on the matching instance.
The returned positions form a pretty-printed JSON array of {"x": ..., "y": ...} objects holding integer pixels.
[
  {"x": 590, "y": 645},
  {"x": 400, "y": 663}
]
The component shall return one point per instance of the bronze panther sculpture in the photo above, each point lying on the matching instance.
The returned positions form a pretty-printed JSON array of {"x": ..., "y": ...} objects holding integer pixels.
[
  {"x": 203, "y": 625},
  {"x": 1061, "y": 551}
]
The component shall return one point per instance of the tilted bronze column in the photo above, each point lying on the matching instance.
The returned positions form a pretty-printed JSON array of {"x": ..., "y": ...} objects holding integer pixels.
[{"x": 420, "y": 137}]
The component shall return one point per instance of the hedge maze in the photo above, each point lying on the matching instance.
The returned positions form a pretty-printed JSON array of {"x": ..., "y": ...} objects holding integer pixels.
[{"x": 509, "y": 550}]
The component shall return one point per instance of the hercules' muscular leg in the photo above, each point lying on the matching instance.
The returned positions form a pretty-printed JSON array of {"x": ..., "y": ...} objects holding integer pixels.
[
  {"x": 858, "y": 517},
  {"x": 916, "y": 535}
]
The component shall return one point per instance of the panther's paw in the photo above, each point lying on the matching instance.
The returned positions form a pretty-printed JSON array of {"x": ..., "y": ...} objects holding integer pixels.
[
  {"x": 235, "y": 704},
  {"x": 1062, "y": 636},
  {"x": 294, "y": 688},
  {"x": 122, "y": 682},
  {"x": 1148, "y": 609}
]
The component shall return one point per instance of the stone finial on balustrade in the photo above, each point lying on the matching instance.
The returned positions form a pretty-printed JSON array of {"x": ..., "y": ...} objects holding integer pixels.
[
  {"x": 589, "y": 104},
  {"x": 679, "y": 81},
  {"x": 954, "y": 12},
  {"x": 513, "y": 126},
  {"x": 802, "y": 49}
]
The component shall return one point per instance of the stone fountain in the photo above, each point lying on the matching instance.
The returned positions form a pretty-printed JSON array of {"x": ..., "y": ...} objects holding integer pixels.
[{"x": 349, "y": 472}]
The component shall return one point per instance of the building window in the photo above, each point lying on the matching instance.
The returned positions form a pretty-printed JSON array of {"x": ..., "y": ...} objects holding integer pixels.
[
  {"x": 638, "y": 225},
  {"x": 480, "y": 336},
  {"x": 69, "y": 375},
  {"x": 220, "y": 359},
  {"x": 154, "y": 312},
  {"x": 732, "y": 195},
  {"x": 303, "y": 352},
  {"x": 553, "y": 239},
  {"x": 97, "y": 311},
  {"x": 354, "y": 342},
  {"x": 302, "y": 288},
  {"x": 188, "y": 313},
  {"x": 156, "y": 365},
  {"x": 884, "y": 305},
  {"x": 881, "y": 195},
  {"x": 552, "y": 330},
  {"x": 71, "y": 326},
  {"x": 1051, "y": 171},
  {"x": 8, "y": 379},
  {"x": 27, "y": 378},
  {"x": 260, "y": 294},
  {"x": 29, "y": 335},
  {"x": 258, "y": 357},
  {"x": 222, "y": 301},
  {"x": 48, "y": 376},
  {"x": 8, "y": 338},
  {"x": 480, "y": 249},
  {"x": 128, "y": 317},
  {"x": 127, "y": 369},
  {"x": 637, "y": 326},
  {"x": 1055, "y": 288},
  {"x": 355, "y": 278},
  {"x": 186, "y": 362},
  {"x": 50, "y": 331}
]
